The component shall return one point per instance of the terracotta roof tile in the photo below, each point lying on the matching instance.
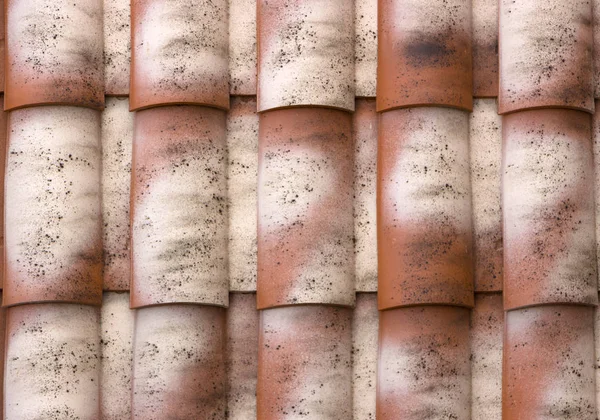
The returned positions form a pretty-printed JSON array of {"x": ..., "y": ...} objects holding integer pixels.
[
  {"x": 365, "y": 47},
  {"x": 117, "y": 47},
  {"x": 242, "y": 47},
  {"x": 548, "y": 190},
  {"x": 365, "y": 325},
  {"x": 485, "y": 48}
]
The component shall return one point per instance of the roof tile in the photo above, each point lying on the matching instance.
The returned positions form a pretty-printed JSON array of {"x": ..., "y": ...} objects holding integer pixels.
[
  {"x": 179, "y": 208},
  {"x": 305, "y": 54},
  {"x": 424, "y": 208},
  {"x": 179, "y": 53},
  {"x": 242, "y": 47},
  {"x": 50, "y": 63},
  {"x": 549, "y": 244},
  {"x": 117, "y": 46},
  {"x": 53, "y": 233},
  {"x": 485, "y": 48},
  {"x": 365, "y": 325},
  {"x": 424, "y": 54},
  {"x": 365, "y": 54},
  {"x": 545, "y": 55},
  {"x": 305, "y": 193}
]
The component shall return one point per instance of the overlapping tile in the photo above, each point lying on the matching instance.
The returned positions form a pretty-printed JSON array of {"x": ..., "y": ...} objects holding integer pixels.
[
  {"x": 117, "y": 134},
  {"x": 545, "y": 55},
  {"x": 596, "y": 148},
  {"x": 242, "y": 147},
  {"x": 423, "y": 364},
  {"x": 52, "y": 364},
  {"x": 485, "y": 48},
  {"x": 424, "y": 54},
  {"x": 548, "y": 367},
  {"x": 179, "y": 207},
  {"x": 305, "y": 53},
  {"x": 305, "y": 363},
  {"x": 549, "y": 241},
  {"x": 305, "y": 199},
  {"x": 365, "y": 324},
  {"x": 53, "y": 233},
  {"x": 486, "y": 158},
  {"x": 3, "y": 147},
  {"x": 365, "y": 54},
  {"x": 424, "y": 208},
  {"x": 54, "y": 53},
  {"x": 179, "y": 363},
  {"x": 117, "y": 47},
  {"x": 242, "y": 47},
  {"x": 179, "y": 53}
]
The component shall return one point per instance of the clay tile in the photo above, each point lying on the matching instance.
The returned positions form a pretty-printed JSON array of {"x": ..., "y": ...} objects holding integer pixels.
[
  {"x": 242, "y": 356},
  {"x": 596, "y": 149},
  {"x": 486, "y": 158},
  {"x": 487, "y": 320},
  {"x": 549, "y": 363},
  {"x": 242, "y": 47},
  {"x": 485, "y": 48},
  {"x": 179, "y": 53},
  {"x": 365, "y": 54},
  {"x": 2, "y": 46},
  {"x": 305, "y": 214},
  {"x": 424, "y": 52},
  {"x": 305, "y": 53},
  {"x": 423, "y": 366},
  {"x": 424, "y": 208},
  {"x": 54, "y": 53},
  {"x": 117, "y": 134},
  {"x": 548, "y": 205},
  {"x": 364, "y": 130},
  {"x": 545, "y": 55},
  {"x": 117, "y": 47},
  {"x": 2, "y": 355},
  {"x": 365, "y": 323},
  {"x": 53, "y": 231},
  {"x": 179, "y": 363},
  {"x": 116, "y": 333},
  {"x": 304, "y": 363},
  {"x": 179, "y": 207},
  {"x": 52, "y": 368},
  {"x": 3, "y": 141},
  {"x": 242, "y": 146}
]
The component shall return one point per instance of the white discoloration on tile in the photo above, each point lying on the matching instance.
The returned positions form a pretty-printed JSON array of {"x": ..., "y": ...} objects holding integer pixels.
[
  {"x": 117, "y": 134},
  {"x": 53, "y": 206},
  {"x": 52, "y": 362},
  {"x": 364, "y": 127},
  {"x": 596, "y": 149},
  {"x": 116, "y": 332},
  {"x": 242, "y": 145},
  {"x": 117, "y": 46},
  {"x": 242, "y": 47},
  {"x": 242, "y": 356},
  {"x": 179, "y": 363},
  {"x": 486, "y": 159},
  {"x": 487, "y": 321},
  {"x": 365, "y": 324},
  {"x": 485, "y": 47},
  {"x": 365, "y": 54},
  {"x": 54, "y": 51},
  {"x": 306, "y": 53}
]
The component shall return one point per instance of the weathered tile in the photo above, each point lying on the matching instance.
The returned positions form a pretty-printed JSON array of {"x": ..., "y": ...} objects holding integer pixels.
[
  {"x": 548, "y": 367},
  {"x": 242, "y": 145},
  {"x": 116, "y": 345},
  {"x": 423, "y": 366},
  {"x": 365, "y": 47},
  {"x": 179, "y": 363},
  {"x": 596, "y": 149},
  {"x": 364, "y": 130},
  {"x": 424, "y": 54},
  {"x": 305, "y": 53},
  {"x": 424, "y": 197},
  {"x": 487, "y": 322},
  {"x": 179, "y": 207},
  {"x": 485, "y": 48},
  {"x": 305, "y": 363},
  {"x": 545, "y": 55},
  {"x": 242, "y": 356},
  {"x": 242, "y": 47},
  {"x": 486, "y": 159},
  {"x": 365, "y": 323},
  {"x": 53, "y": 212},
  {"x": 305, "y": 200},
  {"x": 3, "y": 147},
  {"x": 117, "y": 47},
  {"x": 54, "y": 53},
  {"x": 52, "y": 368},
  {"x": 179, "y": 53},
  {"x": 117, "y": 134},
  {"x": 548, "y": 206}
]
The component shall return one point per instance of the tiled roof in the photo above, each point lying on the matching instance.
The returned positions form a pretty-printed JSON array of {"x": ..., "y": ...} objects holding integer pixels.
[{"x": 300, "y": 209}]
